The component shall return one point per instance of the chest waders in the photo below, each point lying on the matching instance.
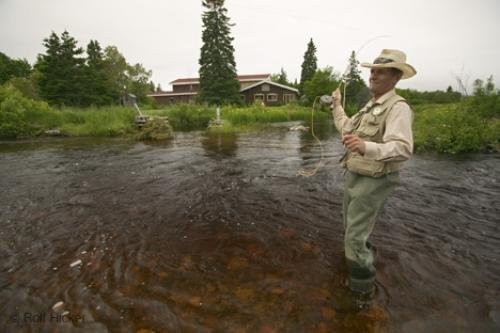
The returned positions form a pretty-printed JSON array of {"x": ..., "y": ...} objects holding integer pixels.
[{"x": 368, "y": 184}]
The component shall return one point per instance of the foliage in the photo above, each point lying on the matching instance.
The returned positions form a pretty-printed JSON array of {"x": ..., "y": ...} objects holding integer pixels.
[
  {"x": 218, "y": 82},
  {"x": 105, "y": 121},
  {"x": 139, "y": 82},
  {"x": 480, "y": 89},
  {"x": 24, "y": 117},
  {"x": 357, "y": 93},
  {"x": 61, "y": 70},
  {"x": 486, "y": 99},
  {"x": 323, "y": 82},
  {"x": 13, "y": 68},
  {"x": 415, "y": 97},
  {"x": 156, "y": 129},
  {"x": 21, "y": 116},
  {"x": 281, "y": 78},
  {"x": 186, "y": 117},
  {"x": 26, "y": 86},
  {"x": 96, "y": 89},
  {"x": 259, "y": 114},
  {"x": 309, "y": 65},
  {"x": 65, "y": 78},
  {"x": 453, "y": 129}
]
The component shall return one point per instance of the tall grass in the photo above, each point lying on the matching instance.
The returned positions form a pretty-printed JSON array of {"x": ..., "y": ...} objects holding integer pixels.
[
  {"x": 257, "y": 114},
  {"x": 106, "y": 121},
  {"x": 186, "y": 117}
]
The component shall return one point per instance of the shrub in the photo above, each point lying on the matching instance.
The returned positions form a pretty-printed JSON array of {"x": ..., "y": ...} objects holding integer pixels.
[
  {"x": 452, "y": 129},
  {"x": 156, "y": 129},
  {"x": 186, "y": 117},
  {"x": 21, "y": 116}
]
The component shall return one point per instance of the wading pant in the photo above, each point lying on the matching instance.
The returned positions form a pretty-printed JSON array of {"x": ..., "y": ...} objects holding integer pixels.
[{"x": 364, "y": 197}]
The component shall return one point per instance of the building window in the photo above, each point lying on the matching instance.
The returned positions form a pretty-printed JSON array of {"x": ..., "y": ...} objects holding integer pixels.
[
  {"x": 257, "y": 97},
  {"x": 272, "y": 97},
  {"x": 265, "y": 87},
  {"x": 287, "y": 98}
]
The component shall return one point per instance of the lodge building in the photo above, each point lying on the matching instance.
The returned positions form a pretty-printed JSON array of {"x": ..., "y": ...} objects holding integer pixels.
[{"x": 257, "y": 87}]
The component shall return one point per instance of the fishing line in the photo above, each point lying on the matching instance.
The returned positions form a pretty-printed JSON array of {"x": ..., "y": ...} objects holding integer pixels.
[
  {"x": 319, "y": 165},
  {"x": 344, "y": 80}
]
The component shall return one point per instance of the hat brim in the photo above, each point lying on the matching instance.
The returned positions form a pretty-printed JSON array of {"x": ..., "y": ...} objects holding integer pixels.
[{"x": 408, "y": 70}]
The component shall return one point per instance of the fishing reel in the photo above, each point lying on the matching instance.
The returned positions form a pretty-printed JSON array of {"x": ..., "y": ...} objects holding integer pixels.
[{"x": 326, "y": 100}]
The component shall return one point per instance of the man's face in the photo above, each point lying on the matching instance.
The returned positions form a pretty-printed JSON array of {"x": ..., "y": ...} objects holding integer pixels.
[{"x": 382, "y": 80}]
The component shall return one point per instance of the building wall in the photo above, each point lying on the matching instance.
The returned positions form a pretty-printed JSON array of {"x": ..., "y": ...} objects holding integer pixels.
[
  {"x": 272, "y": 96},
  {"x": 165, "y": 100},
  {"x": 186, "y": 88}
]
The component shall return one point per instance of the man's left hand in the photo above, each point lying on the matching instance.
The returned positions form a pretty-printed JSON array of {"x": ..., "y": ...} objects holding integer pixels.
[{"x": 354, "y": 143}]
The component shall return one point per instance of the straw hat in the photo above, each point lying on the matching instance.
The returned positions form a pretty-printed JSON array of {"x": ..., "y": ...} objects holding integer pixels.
[{"x": 392, "y": 59}]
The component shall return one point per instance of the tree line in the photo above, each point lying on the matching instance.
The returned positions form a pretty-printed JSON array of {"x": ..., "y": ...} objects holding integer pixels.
[{"x": 66, "y": 75}]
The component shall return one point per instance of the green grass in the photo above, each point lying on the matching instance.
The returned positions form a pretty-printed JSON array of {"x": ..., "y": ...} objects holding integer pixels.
[
  {"x": 186, "y": 117},
  {"x": 256, "y": 114},
  {"x": 106, "y": 121}
]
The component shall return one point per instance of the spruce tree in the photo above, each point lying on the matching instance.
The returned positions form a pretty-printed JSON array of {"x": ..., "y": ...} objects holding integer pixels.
[
  {"x": 218, "y": 82},
  {"x": 60, "y": 71},
  {"x": 97, "y": 90},
  {"x": 10, "y": 68},
  {"x": 309, "y": 65},
  {"x": 357, "y": 93},
  {"x": 281, "y": 77}
]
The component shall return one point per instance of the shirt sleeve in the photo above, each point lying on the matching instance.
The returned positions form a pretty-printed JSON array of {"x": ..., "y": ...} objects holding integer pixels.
[
  {"x": 397, "y": 142},
  {"x": 342, "y": 122}
]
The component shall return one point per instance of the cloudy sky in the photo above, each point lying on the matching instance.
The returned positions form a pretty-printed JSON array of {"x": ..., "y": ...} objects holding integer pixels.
[{"x": 443, "y": 39}]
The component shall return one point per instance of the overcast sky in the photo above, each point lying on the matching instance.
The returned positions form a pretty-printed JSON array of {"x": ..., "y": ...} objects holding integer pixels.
[{"x": 442, "y": 38}]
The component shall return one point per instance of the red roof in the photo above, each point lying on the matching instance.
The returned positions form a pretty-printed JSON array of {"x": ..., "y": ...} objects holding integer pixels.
[{"x": 252, "y": 77}]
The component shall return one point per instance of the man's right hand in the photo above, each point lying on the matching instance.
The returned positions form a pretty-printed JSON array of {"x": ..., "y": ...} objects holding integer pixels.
[{"x": 337, "y": 98}]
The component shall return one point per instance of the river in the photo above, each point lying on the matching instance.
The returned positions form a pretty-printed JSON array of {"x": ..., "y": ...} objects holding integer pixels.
[{"x": 217, "y": 233}]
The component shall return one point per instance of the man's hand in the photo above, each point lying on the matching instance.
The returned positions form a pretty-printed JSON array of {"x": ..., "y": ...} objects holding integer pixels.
[
  {"x": 354, "y": 143},
  {"x": 337, "y": 98}
]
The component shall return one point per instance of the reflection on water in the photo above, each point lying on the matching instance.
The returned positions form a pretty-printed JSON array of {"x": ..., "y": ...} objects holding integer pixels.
[
  {"x": 216, "y": 233},
  {"x": 220, "y": 144}
]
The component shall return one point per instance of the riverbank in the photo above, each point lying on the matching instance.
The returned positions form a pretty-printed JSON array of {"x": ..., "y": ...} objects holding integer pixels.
[{"x": 443, "y": 128}]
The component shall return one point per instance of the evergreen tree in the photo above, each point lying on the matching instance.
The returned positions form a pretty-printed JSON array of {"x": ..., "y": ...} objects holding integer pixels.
[
  {"x": 11, "y": 68},
  {"x": 218, "y": 82},
  {"x": 97, "y": 90},
  {"x": 281, "y": 77},
  {"x": 60, "y": 71},
  {"x": 357, "y": 93},
  {"x": 309, "y": 65}
]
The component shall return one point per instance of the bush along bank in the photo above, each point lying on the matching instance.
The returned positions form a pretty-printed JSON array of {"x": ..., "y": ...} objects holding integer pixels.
[
  {"x": 455, "y": 128},
  {"x": 23, "y": 117}
]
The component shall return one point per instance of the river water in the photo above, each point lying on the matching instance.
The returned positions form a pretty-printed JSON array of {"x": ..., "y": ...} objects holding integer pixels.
[{"x": 217, "y": 233}]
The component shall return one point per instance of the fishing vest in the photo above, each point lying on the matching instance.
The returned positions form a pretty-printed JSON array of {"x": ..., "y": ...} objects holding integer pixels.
[{"x": 369, "y": 125}]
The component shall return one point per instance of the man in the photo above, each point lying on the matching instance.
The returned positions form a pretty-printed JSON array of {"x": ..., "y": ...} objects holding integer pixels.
[{"x": 378, "y": 139}]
